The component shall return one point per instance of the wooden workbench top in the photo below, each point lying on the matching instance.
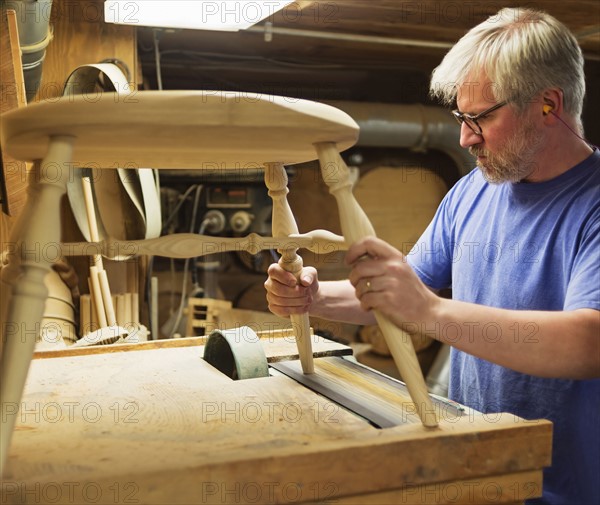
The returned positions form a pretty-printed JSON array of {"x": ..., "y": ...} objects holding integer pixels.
[{"x": 160, "y": 425}]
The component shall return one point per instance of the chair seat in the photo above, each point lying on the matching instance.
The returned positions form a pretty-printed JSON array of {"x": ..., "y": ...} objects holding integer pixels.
[{"x": 179, "y": 129}]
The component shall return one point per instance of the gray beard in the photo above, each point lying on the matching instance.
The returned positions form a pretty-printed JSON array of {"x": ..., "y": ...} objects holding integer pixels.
[{"x": 515, "y": 161}]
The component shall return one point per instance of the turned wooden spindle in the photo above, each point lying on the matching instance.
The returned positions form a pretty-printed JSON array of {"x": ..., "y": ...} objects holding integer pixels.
[
  {"x": 284, "y": 223},
  {"x": 38, "y": 223},
  {"x": 190, "y": 245},
  {"x": 356, "y": 225}
]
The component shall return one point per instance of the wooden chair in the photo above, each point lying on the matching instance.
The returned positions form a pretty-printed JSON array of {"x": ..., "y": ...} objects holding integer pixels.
[{"x": 197, "y": 130}]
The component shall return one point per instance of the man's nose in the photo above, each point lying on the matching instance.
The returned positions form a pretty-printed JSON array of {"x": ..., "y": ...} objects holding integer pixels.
[{"x": 468, "y": 137}]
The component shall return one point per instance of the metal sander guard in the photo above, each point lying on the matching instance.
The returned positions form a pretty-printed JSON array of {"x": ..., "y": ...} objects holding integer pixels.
[{"x": 237, "y": 353}]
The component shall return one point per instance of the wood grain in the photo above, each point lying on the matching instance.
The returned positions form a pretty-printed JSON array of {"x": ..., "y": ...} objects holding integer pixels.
[
  {"x": 284, "y": 224},
  {"x": 511, "y": 488},
  {"x": 356, "y": 225},
  {"x": 179, "y": 129},
  {"x": 166, "y": 427},
  {"x": 80, "y": 37},
  {"x": 191, "y": 245},
  {"x": 12, "y": 97},
  {"x": 400, "y": 203}
]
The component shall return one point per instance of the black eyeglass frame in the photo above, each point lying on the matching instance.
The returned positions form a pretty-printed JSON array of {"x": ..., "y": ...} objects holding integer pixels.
[{"x": 463, "y": 117}]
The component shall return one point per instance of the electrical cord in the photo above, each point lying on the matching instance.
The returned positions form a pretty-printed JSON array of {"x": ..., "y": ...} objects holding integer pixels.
[
  {"x": 571, "y": 129},
  {"x": 178, "y": 206},
  {"x": 186, "y": 266},
  {"x": 165, "y": 226}
]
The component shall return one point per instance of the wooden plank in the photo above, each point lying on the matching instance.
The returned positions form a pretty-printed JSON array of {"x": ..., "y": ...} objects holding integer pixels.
[
  {"x": 162, "y": 426},
  {"x": 279, "y": 345},
  {"x": 509, "y": 488},
  {"x": 12, "y": 97}
]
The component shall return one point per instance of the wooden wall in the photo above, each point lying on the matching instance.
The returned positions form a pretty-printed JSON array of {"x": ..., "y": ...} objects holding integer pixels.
[
  {"x": 12, "y": 96},
  {"x": 80, "y": 37}
]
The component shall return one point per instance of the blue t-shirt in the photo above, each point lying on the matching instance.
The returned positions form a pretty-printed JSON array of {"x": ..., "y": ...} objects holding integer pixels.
[{"x": 530, "y": 246}]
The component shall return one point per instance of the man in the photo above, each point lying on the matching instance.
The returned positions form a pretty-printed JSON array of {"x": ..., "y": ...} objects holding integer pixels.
[{"x": 517, "y": 240}]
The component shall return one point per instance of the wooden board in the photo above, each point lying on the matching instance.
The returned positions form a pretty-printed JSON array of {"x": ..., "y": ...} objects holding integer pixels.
[
  {"x": 281, "y": 346},
  {"x": 508, "y": 488},
  {"x": 14, "y": 176},
  {"x": 179, "y": 129},
  {"x": 13, "y": 187},
  {"x": 162, "y": 426},
  {"x": 205, "y": 315}
]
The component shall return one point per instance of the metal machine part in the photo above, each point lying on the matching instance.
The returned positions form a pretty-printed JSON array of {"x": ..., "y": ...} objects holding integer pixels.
[
  {"x": 356, "y": 400},
  {"x": 35, "y": 33},
  {"x": 240, "y": 221},
  {"x": 244, "y": 205},
  {"x": 237, "y": 353},
  {"x": 215, "y": 222},
  {"x": 240, "y": 204}
]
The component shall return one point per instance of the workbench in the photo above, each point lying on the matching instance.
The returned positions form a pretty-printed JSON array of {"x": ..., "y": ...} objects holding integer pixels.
[{"x": 154, "y": 423}]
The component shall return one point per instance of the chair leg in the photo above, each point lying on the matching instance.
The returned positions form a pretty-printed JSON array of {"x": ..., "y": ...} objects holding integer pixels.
[
  {"x": 284, "y": 224},
  {"x": 356, "y": 225},
  {"x": 35, "y": 241}
]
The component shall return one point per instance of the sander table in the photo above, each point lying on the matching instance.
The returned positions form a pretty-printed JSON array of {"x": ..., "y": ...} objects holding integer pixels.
[{"x": 154, "y": 423}]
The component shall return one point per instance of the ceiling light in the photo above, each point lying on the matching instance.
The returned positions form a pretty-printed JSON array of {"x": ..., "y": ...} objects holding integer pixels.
[{"x": 222, "y": 15}]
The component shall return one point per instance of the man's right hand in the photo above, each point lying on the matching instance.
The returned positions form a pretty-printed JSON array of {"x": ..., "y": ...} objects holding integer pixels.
[{"x": 288, "y": 296}]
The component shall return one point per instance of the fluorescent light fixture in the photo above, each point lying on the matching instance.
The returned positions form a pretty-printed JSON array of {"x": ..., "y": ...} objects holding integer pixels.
[{"x": 222, "y": 15}]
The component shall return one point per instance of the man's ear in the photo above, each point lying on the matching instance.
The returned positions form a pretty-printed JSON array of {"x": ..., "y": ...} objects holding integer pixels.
[{"x": 552, "y": 101}]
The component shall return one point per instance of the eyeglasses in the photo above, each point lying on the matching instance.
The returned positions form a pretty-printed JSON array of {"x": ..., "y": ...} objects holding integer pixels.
[{"x": 471, "y": 121}]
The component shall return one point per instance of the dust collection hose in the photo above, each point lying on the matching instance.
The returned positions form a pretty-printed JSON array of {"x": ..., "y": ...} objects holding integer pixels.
[{"x": 35, "y": 33}]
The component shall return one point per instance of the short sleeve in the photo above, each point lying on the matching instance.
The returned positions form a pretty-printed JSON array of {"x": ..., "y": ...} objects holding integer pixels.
[
  {"x": 431, "y": 256},
  {"x": 583, "y": 290}
]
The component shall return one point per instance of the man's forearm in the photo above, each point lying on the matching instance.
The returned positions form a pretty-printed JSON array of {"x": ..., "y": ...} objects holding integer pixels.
[
  {"x": 336, "y": 301},
  {"x": 562, "y": 344}
]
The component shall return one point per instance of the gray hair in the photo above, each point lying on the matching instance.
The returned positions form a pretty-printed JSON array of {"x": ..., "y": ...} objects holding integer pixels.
[{"x": 522, "y": 52}]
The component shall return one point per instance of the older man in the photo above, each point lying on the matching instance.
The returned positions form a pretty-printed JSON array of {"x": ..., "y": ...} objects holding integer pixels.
[{"x": 517, "y": 240}]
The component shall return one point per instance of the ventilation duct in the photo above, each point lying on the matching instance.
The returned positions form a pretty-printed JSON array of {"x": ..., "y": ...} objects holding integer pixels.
[
  {"x": 33, "y": 22},
  {"x": 416, "y": 127}
]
